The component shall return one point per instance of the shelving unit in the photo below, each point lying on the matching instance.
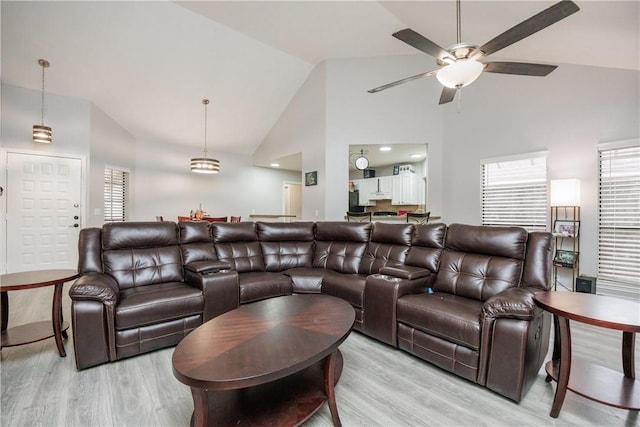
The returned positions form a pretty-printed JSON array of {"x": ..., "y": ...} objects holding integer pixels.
[{"x": 565, "y": 226}]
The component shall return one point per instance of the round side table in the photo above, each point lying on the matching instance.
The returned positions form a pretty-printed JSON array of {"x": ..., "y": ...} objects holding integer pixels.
[{"x": 32, "y": 332}]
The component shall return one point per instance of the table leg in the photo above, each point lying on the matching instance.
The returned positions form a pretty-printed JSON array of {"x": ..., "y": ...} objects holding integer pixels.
[
  {"x": 4, "y": 302},
  {"x": 556, "y": 344},
  {"x": 628, "y": 358},
  {"x": 329, "y": 369},
  {"x": 200, "y": 407},
  {"x": 56, "y": 316},
  {"x": 565, "y": 366}
]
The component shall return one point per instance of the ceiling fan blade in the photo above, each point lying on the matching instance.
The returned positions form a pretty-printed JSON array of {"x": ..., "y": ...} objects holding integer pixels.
[
  {"x": 520, "y": 68},
  {"x": 405, "y": 80},
  {"x": 530, "y": 26},
  {"x": 447, "y": 95},
  {"x": 421, "y": 43}
]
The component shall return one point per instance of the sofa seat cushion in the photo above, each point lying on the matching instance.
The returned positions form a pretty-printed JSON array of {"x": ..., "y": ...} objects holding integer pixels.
[
  {"x": 255, "y": 286},
  {"x": 306, "y": 280},
  {"x": 349, "y": 287},
  {"x": 147, "y": 305},
  {"x": 450, "y": 317}
]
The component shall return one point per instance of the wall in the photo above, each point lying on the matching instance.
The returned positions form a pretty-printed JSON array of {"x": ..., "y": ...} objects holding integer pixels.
[
  {"x": 165, "y": 185},
  {"x": 567, "y": 113},
  {"x": 302, "y": 128},
  {"x": 404, "y": 114},
  {"x": 113, "y": 146}
]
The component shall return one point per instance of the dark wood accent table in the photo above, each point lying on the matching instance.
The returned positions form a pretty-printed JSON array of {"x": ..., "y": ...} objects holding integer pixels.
[
  {"x": 32, "y": 332},
  {"x": 592, "y": 381},
  {"x": 272, "y": 362}
]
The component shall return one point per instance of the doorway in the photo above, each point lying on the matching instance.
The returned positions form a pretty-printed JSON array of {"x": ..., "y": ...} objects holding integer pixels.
[
  {"x": 293, "y": 200},
  {"x": 43, "y": 211}
]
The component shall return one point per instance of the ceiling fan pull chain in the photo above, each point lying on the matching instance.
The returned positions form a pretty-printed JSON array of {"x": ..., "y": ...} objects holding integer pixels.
[{"x": 459, "y": 100}]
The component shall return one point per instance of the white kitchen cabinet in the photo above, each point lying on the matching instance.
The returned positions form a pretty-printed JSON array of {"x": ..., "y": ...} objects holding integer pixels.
[
  {"x": 365, "y": 188},
  {"x": 406, "y": 190},
  {"x": 380, "y": 188}
]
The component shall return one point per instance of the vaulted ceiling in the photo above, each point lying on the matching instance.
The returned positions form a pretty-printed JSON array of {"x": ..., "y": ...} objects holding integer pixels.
[{"x": 149, "y": 64}]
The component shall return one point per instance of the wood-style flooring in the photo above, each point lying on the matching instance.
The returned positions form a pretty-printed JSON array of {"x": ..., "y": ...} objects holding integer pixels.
[{"x": 380, "y": 386}]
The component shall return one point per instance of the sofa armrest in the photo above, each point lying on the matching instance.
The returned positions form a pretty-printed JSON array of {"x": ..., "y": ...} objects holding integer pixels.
[
  {"x": 515, "y": 303},
  {"x": 96, "y": 287},
  {"x": 207, "y": 267},
  {"x": 381, "y": 293},
  {"x": 405, "y": 272},
  {"x": 221, "y": 291}
]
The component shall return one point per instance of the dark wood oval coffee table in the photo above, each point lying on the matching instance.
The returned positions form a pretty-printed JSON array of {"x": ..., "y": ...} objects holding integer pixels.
[
  {"x": 32, "y": 332},
  {"x": 592, "y": 381},
  {"x": 272, "y": 362}
]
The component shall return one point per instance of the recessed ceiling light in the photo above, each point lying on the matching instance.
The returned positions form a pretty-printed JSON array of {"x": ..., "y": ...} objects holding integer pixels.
[
  {"x": 385, "y": 148},
  {"x": 275, "y": 165},
  {"x": 415, "y": 156}
]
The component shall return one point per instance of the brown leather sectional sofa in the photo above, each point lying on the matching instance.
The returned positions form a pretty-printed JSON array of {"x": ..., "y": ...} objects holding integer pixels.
[{"x": 460, "y": 297}]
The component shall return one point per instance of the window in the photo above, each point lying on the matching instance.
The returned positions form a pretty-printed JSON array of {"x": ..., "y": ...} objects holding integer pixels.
[
  {"x": 514, "y": 192},
  {"x": 116, "y": 184},
  {"x": 619, "y": 219}
]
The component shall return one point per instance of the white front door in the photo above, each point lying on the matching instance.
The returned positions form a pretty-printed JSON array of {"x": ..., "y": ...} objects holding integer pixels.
[{"x": 43, "y": 211}]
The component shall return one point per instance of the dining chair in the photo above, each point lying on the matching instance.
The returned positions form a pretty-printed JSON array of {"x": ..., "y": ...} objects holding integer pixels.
[
  {"x": 418, "y": 218},
  {"x": 235, "y": 219},
  {"x": 159, "y": 218},
  {"x": 359, "y": 216},
  {"x": 216, "y": 219}
]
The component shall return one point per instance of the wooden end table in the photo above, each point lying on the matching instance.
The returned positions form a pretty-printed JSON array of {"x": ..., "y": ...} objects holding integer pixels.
[
  {"x": 589, "y": 380},
  {"x": 32, "y": 332},
  {"x": 272, "y": 363}
]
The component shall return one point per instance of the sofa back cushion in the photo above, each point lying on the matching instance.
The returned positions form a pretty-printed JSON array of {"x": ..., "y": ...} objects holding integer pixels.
[
  {"x": 237, "y": 244},
  {"x": 388, "y": 246},
  {"x": 340, "y": 245},
  {"x": 286, "y": 245},
  {"x": 427, "y": 245},
  {"x": 196, "y": 242},
  {"x": 90, "y": 250},
  {"x": 141, "y": 253},
  {"x": 479, "y": 261}
]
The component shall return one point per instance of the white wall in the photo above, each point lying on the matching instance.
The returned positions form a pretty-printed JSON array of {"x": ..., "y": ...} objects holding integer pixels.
[
  {"x": 302, "y": 129},
  {"x": 113, "y": 146},
  {"x": 567, "y": 113},
  {"x": 165, "y": 185},
  {"x": 406, "y": 114}
]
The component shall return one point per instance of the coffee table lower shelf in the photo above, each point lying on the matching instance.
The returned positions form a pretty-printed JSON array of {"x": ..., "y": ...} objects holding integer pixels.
[
  {"x": 599, "y": 383},
  {"x": 289, "y": 401}
]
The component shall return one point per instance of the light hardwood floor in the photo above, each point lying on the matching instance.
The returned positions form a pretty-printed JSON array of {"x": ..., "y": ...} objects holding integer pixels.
[{"x": 380, "y": 386}]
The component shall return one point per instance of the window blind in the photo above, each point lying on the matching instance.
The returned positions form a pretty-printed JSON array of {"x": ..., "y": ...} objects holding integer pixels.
[
  {"x": 514, "y": 193},
  {"x": 619, "y": 220},
  {"x": 115, "y": 195}
]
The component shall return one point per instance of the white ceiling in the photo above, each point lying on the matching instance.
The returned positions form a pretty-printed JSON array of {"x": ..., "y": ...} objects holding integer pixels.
[{"x": 149, "y": 64}]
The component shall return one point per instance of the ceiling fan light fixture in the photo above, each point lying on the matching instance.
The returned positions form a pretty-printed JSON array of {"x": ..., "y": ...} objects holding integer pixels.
[{"x": 460, "y": 74}]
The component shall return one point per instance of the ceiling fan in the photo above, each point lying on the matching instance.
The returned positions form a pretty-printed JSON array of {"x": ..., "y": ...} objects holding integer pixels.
[{"x": 460, "y": 65}]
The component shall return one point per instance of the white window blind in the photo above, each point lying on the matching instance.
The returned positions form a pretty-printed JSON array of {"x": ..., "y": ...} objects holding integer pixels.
[
  {"x": 514, "y": 192},
  {"x": 115, "y": 195},
  {"x": 619, "y": 220}
]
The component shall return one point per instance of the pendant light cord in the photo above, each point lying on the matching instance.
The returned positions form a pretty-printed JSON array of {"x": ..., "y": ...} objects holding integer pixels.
[
  {"x": 42, "y": 99},
  {"x": 205, "y": 102}
]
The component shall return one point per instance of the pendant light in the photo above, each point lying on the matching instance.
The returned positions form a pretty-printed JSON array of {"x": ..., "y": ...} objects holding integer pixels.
[
  {"x": 205, "y": 164},
  {"x": 42, "y": 133}
]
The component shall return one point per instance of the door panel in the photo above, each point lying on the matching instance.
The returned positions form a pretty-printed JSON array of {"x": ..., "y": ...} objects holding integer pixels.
[{"x": 43, "y": 211}]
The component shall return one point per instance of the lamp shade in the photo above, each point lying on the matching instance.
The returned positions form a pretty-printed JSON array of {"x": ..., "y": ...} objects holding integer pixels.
[
  {"x": 42, "y": 134},
  {"x": 565, "y": 192},
  {"x": 460, "y": 73},
  {"x": 205, "y": 165}
]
